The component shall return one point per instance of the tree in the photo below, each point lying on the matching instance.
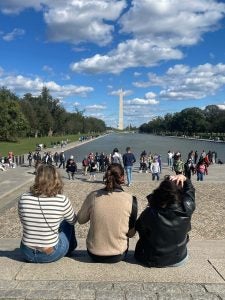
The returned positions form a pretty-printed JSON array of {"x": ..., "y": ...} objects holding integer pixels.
[{"x": 12, "y": 121}]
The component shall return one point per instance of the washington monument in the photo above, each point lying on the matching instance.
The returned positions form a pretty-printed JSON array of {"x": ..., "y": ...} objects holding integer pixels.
[{"x": 120, "y": 125}]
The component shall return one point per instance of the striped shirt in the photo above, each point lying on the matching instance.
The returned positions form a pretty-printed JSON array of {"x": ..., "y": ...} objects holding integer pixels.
[{"x": 41, "y": 218}]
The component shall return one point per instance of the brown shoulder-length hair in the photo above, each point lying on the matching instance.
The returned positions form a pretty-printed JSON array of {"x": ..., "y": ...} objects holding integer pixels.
[
  {"x": 47, "y": 182},
  {"x": 166, "y": 194},
  {"x": 114, "y": 177}
]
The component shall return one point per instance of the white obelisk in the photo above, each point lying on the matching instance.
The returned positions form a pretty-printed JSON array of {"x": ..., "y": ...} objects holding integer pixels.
[{"x": 120, "y": 110}]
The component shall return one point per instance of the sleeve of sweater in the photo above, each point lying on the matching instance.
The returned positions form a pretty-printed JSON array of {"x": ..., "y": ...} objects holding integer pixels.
[
  {"x": 188, "y": 197},
  {"x": 83, "y": 215},
  {"x": 69, "y": 213}
]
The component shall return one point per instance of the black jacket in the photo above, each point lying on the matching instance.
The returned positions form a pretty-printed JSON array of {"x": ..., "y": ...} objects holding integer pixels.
[{"x": 163, "y": 232}]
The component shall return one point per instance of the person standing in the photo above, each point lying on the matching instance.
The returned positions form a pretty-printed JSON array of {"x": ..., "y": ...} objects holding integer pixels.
[
  {"x": 116, "y": 157},
  {"x": 155, "y": 169},
  {"x": 47, "y": 219},
  {"x": 71, "y": 167},
  {"x": 170, "y": 158},
  {"x": 30, "y": 158},
  {"x": 178, "y": 164},
  {"x": 200, "y": 170},
  {"x": 128, "y": 161}
]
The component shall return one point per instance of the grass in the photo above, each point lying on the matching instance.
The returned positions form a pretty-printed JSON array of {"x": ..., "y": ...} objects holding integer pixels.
[{"x": 25, "y": 145}]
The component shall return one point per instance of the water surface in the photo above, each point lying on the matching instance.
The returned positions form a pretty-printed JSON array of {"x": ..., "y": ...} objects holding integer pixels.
[{"x": 147, "y": 142}]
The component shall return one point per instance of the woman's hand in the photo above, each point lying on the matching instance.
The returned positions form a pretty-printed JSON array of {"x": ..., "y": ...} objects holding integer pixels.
[{"x": 180, "y": 179}]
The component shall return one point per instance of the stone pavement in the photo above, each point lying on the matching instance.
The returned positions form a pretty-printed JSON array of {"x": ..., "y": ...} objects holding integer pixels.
[{"x": 76, "y": 277}]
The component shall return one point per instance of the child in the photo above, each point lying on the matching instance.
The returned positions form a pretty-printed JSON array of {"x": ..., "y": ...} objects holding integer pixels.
[
  {"x": 155, "y": 169},
  {"x": 201, "y": 169},
  {"x": 93, "y": 169}
]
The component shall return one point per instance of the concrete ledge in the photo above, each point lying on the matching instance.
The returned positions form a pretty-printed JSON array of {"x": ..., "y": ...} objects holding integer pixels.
[{"x": 206, "y": 266}]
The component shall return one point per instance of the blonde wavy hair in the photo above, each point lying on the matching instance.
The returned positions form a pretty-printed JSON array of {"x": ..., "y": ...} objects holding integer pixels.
[{"x": 47, "y": 182}]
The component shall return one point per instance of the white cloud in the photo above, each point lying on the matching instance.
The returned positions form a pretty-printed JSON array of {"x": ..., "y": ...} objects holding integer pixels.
[
  {"x": 48, "y": 69},
  {"x": 17, "y": 32},
  {"x": 184, "y": 83},
  {"x": 16, "y": 6},
  {"x": 1, "y": 71},
  {"x": 76, "y": 104},
  {"x": 136, "y": 74},
  {"x": 128, "y": 54},
  {"x": 150, "y": 95},
  {"x": 73, "y": 21},
  {"x": 139, "y": 101},
  {"x": 95, "y": 107},
  {"x": 158, "y": 30},
  {"x": 221, "y": 106},
  {"x": 177, "y": 22},
  {"x": 81, "y": 21},
  {"x": 21, "y": 85},
  {"x": 117, "y": 92}
]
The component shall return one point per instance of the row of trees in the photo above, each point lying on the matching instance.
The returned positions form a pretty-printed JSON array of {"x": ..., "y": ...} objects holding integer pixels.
[
  {"x": 190, "y": 121},
  {"x": 41, "y": 116}
]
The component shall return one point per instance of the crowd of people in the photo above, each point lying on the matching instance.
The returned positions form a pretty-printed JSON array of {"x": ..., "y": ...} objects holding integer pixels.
[
  {"x": 195, "y": 163},
  {"x": 7, "y": 162},
  {"x": 94, "y": 163}
]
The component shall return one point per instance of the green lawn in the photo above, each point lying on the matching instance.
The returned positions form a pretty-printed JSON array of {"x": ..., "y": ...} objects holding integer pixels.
[{"x": 23, "y": 146}]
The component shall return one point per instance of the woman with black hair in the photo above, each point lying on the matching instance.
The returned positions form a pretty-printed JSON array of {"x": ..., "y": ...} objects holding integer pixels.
[
  {"x": 112, "y": 214},
  {"x": 164, "y": 225}
]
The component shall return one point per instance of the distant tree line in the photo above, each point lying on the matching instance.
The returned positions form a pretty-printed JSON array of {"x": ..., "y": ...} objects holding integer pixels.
[
  {"x": 190, "y": 122},
  {"x": 41, "y": 116}
]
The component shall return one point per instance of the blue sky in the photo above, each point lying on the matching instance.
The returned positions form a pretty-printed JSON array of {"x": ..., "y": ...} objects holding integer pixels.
[{"x": 166, "y": 55}]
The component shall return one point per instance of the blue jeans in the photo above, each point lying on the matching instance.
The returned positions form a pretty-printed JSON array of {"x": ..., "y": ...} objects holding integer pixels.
[
  {"x": 128, "y": 170},
  {"x": 67, "y": 243},
  {"x": 155, "y": 175},
  {"x": 181, "y": 263},
  {"x": 200, "y": 176}
]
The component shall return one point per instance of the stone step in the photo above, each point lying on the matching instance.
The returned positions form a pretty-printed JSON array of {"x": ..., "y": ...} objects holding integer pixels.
[{"x": 206, "y": 265}]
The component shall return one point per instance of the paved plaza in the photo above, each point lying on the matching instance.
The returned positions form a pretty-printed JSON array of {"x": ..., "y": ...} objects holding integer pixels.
[{"x": 77, "y": 277}]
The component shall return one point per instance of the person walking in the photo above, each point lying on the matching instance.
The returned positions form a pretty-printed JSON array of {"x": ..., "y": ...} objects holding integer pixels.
[
  {"x": 62, "y": 159},
  {"x": 128, "y": 161},
  {"x": 47, "y": 219}
]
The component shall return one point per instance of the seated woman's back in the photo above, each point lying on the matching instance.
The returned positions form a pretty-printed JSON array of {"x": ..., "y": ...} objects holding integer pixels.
[
  {"x": 112, "y": 213},
  {"x": 163, "y": 226}
]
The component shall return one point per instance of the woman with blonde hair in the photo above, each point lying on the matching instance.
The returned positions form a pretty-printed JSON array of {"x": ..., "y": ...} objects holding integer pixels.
[
  {"x": 47, "y": 219},
  {"x": 112, "y": 214}
]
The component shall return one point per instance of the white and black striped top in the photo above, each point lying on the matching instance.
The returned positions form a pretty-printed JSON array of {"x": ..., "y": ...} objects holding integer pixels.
[{"x": 41, "y": 218}]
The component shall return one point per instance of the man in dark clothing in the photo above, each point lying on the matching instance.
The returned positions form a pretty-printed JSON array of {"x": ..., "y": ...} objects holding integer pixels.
[
  {"x": 128, "y": 161},
  {"x": 62, "y": 159}
]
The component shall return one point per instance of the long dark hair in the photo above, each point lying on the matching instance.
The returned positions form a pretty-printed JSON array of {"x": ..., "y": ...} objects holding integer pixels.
[
  {"x": 166, "y": 194},
  {"x": 114, "y": 177}
]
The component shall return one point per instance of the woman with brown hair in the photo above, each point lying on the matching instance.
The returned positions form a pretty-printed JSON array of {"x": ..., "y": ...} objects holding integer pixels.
[
  {"x": 47, "y": 219},
  {"x": 112, "y": 214}
]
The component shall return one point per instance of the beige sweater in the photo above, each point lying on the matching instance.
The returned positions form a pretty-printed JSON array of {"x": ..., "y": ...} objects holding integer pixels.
[{"x": 109, "y": 215}]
